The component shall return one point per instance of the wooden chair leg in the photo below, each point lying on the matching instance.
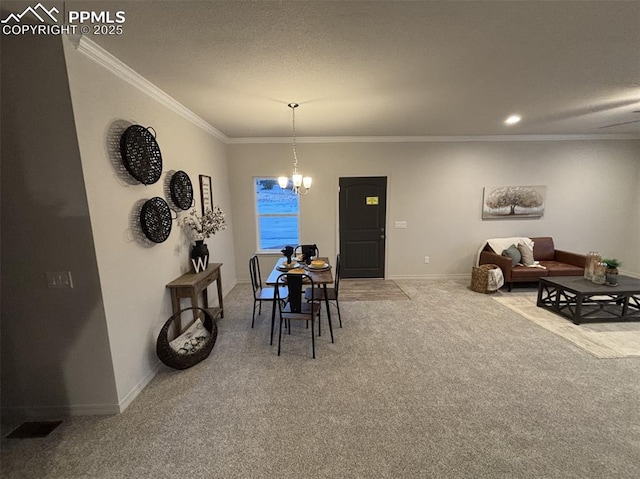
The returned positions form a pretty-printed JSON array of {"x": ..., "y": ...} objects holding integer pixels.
[{"x": 313, "y": 340}]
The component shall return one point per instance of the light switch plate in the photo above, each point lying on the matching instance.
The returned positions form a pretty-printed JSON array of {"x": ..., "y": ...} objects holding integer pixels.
[
  {"x": 400, "y": 224},
  {"x": 59, "y": 279}
]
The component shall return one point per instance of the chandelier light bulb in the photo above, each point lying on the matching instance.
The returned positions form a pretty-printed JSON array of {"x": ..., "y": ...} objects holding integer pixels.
[{"x": 297, "y": 180}]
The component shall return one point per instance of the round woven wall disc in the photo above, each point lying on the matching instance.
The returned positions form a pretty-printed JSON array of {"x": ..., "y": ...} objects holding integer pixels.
[
  {"x": 141, "y": 154},
  {"x": 155, "y": 219},
  {"x": 181, "y": 190}
]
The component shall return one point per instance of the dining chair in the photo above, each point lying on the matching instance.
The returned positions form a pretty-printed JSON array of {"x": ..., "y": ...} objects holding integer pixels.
[
  {"x": 295, "y": 308},
  {"x": 308, "y": 250},
  {"x": 331, "y": 293},
  {"x": 262, "y": 293}
]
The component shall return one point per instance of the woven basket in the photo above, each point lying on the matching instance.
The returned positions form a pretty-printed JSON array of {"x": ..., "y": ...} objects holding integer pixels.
[
  {"x": 172, "y": 358},
  {"x": 155, "y": 219},
  {"x": 141, "y": 154},
  {"x": 480, "y": 278}
]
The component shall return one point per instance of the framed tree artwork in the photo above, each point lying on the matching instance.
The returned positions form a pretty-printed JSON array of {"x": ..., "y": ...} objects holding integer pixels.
[
  {"x": 206, "y": 195},
  {"x": 514, "y": 202}
]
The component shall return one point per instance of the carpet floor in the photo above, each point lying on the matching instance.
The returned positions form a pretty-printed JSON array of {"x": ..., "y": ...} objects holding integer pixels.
[{"x": 448, "y": 384}]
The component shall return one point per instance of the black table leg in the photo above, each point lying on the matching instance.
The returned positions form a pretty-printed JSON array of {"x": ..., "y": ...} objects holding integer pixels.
[
  {"x": 326, "y": 301},
  {"x": 539, "y": 301},
  {"x": 576, "y": 315}
]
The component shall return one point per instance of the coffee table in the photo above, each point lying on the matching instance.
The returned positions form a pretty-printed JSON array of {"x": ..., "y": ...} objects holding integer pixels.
[{"x": 578, "y": 299}]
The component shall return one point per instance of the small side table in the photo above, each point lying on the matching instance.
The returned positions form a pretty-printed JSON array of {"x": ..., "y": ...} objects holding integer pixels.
[{"x": 190, "y": 285}]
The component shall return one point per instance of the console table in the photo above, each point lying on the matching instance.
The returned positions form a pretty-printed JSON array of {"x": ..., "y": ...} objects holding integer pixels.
[
  {"x": 190, "y": 285},
  {"x": 579, "y": 299}
]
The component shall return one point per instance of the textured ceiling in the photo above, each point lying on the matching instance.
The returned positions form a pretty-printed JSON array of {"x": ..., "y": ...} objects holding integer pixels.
[{"x": 389, "y": 68}]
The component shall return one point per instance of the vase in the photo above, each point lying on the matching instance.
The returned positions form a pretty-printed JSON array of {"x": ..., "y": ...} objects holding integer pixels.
[
  {"x": 590, "y": 264},
  {"x": 199, "y": 256},
  {"x": 599, "y": 273},
  {"x": 611, "y": 277}
]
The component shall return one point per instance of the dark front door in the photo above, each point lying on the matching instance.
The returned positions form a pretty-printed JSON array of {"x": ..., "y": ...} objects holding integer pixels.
[{"x": 363, "y": 208}]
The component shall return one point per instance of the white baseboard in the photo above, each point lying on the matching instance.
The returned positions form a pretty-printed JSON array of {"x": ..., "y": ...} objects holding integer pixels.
[
  {"x": 227, "y": 289},
  {"x": 398, "y": 276},
  {"x": 431, "y": 276},
  {"x": 137, "y": 389}
]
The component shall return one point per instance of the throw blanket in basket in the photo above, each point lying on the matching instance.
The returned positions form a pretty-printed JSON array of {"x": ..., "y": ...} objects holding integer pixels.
[
  {"x": 192, "y": 339},
  {"x": 495, "y": 279}
]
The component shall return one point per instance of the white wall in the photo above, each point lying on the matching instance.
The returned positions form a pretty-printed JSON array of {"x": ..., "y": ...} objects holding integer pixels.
[
  {"x": 437, "y": 187},
  {"x": 133, "y": 273}
]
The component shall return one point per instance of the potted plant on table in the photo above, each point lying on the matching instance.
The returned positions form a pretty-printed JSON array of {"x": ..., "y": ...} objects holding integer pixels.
[
  {"x": 611, "y": 273},
  {"x": 203, "y": 227}
]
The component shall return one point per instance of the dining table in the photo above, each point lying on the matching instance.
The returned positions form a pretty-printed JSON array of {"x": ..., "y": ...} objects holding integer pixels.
[{"x": 321, "y": 277}]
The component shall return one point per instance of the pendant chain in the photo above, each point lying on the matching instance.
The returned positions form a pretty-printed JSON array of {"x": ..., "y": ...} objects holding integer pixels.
[{"x": 295, "y": 156}]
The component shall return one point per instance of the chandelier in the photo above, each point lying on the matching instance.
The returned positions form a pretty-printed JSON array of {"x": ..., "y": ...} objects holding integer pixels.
[{"x": 300, "y": 184}]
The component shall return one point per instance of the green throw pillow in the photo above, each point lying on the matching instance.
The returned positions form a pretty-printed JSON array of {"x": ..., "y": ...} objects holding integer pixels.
[{"x": 513, "y": 253}]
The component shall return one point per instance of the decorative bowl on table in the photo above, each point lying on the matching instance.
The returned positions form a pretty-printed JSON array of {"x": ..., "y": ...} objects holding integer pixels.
[{"x": 318, "y": 266}]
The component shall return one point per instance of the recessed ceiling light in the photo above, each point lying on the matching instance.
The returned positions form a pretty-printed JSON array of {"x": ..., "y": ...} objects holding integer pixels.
[{"x": 513, "y": 119}]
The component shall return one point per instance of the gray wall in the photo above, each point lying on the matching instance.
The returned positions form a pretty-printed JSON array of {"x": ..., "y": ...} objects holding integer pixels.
[
  {"x": 437, "y": 188},
  {"x": 55, "y": 346},
  {"x": 133, "y": 271}
]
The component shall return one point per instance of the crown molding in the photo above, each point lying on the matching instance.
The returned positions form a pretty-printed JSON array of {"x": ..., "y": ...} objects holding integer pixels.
[
  {"x": 431, "y": 139},
  {"x": 106, "y": 60}
]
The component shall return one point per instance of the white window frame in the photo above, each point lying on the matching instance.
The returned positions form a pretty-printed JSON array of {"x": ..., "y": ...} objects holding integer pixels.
[{"x": 258, "y": 215}]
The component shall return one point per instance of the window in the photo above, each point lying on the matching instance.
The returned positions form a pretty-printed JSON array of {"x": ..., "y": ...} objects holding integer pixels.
[{"x": 277, "y": 212}]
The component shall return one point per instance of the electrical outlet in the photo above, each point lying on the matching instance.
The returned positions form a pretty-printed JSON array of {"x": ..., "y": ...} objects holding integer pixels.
[
  {"x": 59, "y": 279},
  {"x": 426, "y": 260}
]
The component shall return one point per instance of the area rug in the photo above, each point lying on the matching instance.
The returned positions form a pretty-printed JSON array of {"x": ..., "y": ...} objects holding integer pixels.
[
  {"x": 603, "y": 340},
  {"x": 371, "y": 290}
]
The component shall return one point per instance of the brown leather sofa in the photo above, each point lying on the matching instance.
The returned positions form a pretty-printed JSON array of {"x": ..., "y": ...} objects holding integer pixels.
[{"x": 555, "y": 262}]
